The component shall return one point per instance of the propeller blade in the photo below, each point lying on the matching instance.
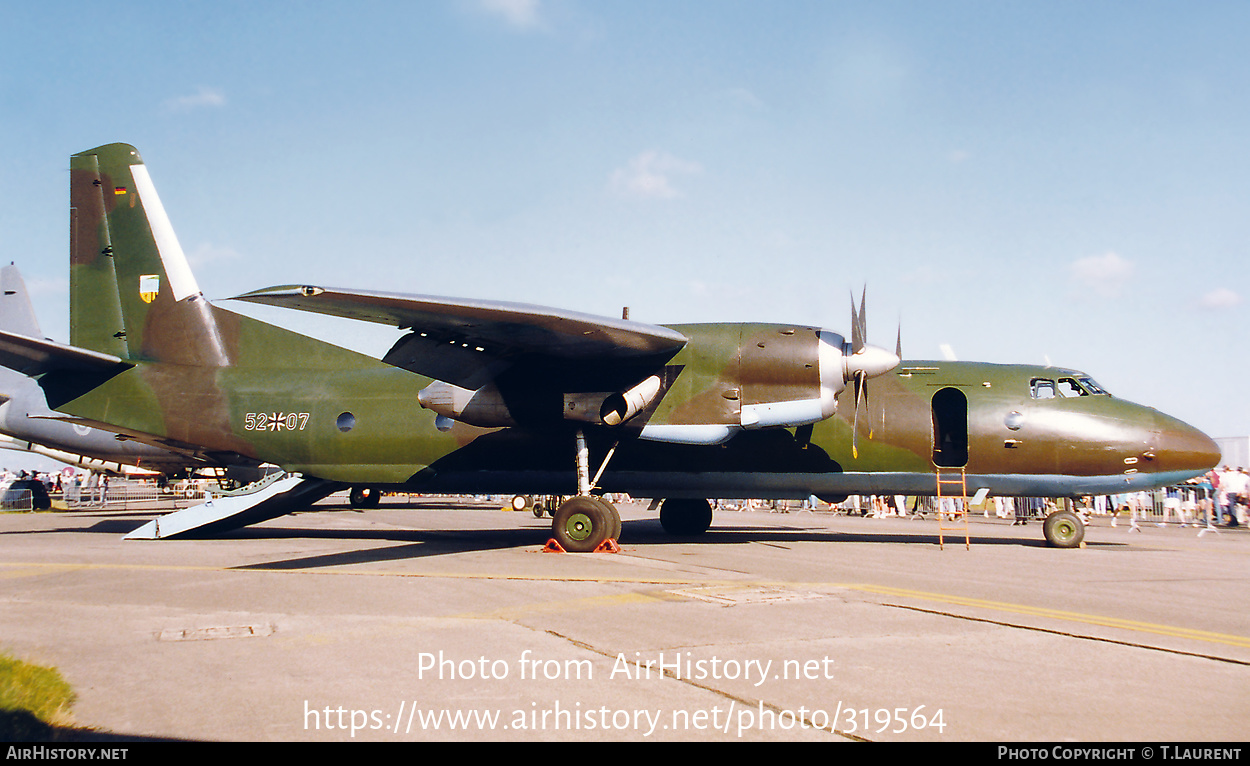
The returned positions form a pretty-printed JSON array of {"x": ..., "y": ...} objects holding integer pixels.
[
  {"x": 863, "y": 315},
  {"x": 857, "y": 332},
  {"x": 861, "y": 385}
]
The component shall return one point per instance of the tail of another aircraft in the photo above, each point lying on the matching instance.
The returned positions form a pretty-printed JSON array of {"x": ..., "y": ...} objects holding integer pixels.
[
  {"x": 17, "y": 314},
  {"x": 132, "y": 293}
]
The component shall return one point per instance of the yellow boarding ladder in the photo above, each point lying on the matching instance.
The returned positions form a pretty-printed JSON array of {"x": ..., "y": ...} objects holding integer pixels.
[{"x": 950, "y": 487}]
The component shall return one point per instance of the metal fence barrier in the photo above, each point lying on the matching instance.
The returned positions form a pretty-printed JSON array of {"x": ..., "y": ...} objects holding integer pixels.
[
  {"x": 17, "y": 500},
  {"x": 132, "y": 495}
]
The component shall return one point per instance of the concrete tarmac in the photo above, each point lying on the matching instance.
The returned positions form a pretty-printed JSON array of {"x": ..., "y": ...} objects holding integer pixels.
[{"x": 445, "y": 621}]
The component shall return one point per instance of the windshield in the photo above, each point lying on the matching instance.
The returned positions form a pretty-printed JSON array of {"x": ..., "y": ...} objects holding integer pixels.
[
  {"x": 1093, "y": 387},
  {"x": 1069, "y": 388}
]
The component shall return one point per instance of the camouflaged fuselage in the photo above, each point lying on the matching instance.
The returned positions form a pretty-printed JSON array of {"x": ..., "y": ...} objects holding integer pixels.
[{"x": 348, "y": 418}]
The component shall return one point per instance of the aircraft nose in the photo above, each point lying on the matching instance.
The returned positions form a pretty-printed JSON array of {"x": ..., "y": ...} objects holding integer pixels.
[{"x": 1181, "y": 447}]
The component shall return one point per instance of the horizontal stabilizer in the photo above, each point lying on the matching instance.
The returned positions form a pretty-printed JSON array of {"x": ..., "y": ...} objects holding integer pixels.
[
  {"x": 34, "y": 356},
  {"x": 276, "y": 496}
]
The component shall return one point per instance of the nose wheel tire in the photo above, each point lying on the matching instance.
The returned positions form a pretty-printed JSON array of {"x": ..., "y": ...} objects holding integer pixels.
[
  {"x": 1063, "y": 529},
  {"x": 582, "y": 523}
]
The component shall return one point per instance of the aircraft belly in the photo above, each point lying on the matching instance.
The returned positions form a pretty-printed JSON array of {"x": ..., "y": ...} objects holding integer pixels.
[
  {"x": 782, "y": 486},
  {"x": 373, "y": 474}
]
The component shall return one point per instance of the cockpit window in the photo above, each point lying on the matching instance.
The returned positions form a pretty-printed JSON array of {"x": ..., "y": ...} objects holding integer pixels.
[
  {"x": 1042, "y": 388},
  {"x": 1092, "y": 387},
  {"x": 1069, "y": 388}
]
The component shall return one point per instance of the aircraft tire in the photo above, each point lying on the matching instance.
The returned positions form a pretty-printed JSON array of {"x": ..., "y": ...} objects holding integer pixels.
[
  {"x": 364, "y": 497},
  {"x": 615, "y": 516},
  {"x": 685, "y": 517},
  {"x": 544, "y": 505},
  {"x": 581, "y": 523},
  {"x": 1063, "y": 529},
  {"x": 521, "y": 502}
]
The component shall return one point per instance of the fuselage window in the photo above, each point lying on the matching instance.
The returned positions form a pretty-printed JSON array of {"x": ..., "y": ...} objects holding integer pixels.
[
  {"x": 1069, "y": 388},
  {"x": 1043, "y": 388}
]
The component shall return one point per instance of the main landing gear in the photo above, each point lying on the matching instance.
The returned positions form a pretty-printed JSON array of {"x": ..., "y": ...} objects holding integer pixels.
[{"x": 583, "y": 523}]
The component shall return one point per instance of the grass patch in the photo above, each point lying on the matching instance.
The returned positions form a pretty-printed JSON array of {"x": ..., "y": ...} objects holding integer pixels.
[{"x": 34, "y": 700}]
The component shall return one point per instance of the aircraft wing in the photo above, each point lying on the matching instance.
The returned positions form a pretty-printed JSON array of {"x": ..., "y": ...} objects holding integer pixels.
[{"x": 468, "y": 342}]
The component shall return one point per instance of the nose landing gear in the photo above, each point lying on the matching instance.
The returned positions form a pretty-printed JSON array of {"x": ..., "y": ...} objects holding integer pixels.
[{"x": 1063, "y": 529}]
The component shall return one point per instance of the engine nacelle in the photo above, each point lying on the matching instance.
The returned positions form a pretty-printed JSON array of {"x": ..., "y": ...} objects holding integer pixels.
[
  {"x": 749, "y": 377},
  {"x": 611, "y": 408},
  {"x": 484, "y": 407},
  {"x": 790, "y": 381}
]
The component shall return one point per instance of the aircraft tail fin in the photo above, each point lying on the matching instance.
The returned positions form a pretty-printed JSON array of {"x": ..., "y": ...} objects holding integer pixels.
[
  {"x": 132, "y": 294},
  {"x": 17, "y": 313}
]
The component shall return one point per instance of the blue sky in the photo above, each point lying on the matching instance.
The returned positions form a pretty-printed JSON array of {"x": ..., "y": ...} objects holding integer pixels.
[{"x": 1020, "y": 181}]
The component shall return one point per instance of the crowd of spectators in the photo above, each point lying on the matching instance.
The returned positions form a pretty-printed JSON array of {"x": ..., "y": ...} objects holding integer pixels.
[{"x": 1231, "y": 489}]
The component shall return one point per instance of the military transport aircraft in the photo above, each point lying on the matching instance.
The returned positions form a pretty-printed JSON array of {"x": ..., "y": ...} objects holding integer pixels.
[{"x": 490, "y": 397}]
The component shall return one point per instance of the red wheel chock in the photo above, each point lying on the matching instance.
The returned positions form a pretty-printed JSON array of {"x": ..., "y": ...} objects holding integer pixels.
[{"x": 607, "y": 546}]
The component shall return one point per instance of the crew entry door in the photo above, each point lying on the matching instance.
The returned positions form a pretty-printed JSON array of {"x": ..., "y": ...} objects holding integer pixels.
[{"x": 950, "y": 428}]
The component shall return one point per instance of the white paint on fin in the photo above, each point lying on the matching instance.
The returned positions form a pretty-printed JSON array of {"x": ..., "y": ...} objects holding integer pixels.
[{"x": 181, "y": 280}]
